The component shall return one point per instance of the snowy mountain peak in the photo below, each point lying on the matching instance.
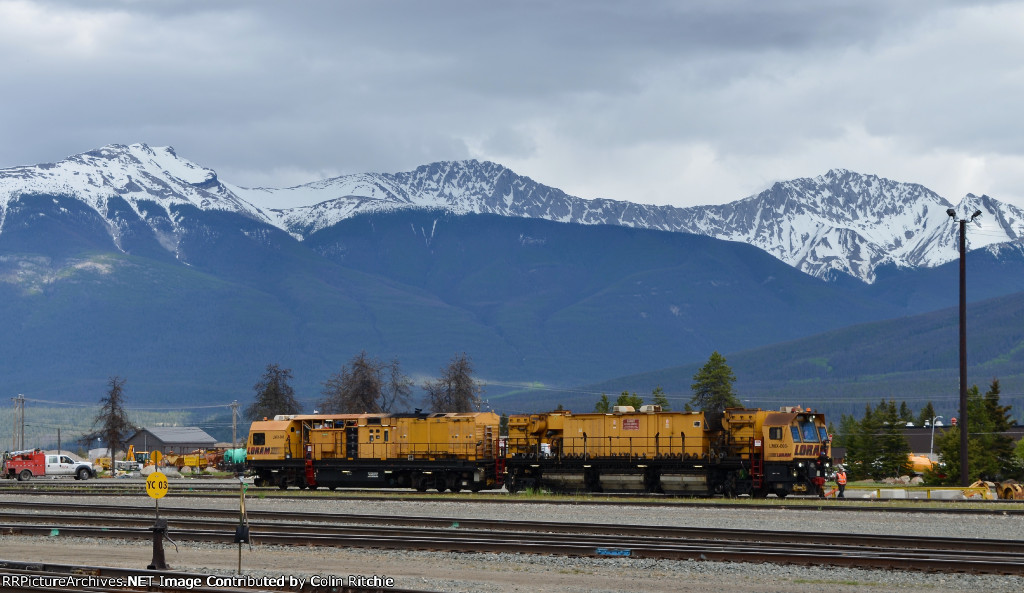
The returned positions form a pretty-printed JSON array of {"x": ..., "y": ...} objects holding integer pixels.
[
  {"x": 134, "y": 172},
  {"x": 841, "y": 222}
]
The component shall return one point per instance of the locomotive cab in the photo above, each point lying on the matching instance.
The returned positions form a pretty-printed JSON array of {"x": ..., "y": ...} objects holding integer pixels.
[{"x": 796, "y": 452}]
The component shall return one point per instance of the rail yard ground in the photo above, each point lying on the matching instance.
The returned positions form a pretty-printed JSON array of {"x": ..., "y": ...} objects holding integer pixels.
[{"x": 492, "y": 573}]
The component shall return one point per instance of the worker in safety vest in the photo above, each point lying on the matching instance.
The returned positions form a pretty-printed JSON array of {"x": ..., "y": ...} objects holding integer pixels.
[{"x": 841, "y": 480}]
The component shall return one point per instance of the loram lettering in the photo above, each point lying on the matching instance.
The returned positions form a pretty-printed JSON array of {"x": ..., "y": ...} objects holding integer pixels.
[{"x": 806, "y": 450}]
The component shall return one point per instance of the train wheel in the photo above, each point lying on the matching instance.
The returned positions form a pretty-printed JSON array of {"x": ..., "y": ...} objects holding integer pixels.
[
  {"x": 512, "y": 484},
  {"x": 283, "y": 483},
  {"x": 759, "y": 493},
  {"x": 441, "y": 484},
  {"x": 422, "y": 483},
  {"x": 781, "y": 492}
]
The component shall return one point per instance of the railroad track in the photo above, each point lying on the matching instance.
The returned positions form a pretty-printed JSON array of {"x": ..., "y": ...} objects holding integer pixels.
[
  {"x": 229, "y": 489},
  {"x": 26, "y": 577},
  {"x": 476, "y": 535}
]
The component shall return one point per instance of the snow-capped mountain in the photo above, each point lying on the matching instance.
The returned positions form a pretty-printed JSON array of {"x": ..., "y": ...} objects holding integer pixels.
[
  {"x": 851, "y": 223},
  {"x": 841, "y": 222},
  {"x": 140, "y": 175}
]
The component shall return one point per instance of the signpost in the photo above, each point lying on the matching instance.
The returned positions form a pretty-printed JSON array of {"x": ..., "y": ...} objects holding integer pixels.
[{"x": 156, "y": 488}]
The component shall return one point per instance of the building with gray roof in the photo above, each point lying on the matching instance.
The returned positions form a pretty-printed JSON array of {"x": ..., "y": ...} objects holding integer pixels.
[{"x": 171, "y": 439}]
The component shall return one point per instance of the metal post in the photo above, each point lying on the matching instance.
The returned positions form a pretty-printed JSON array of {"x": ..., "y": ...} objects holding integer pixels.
[
  {"x": 964, "y": 479},
  {"x": 234, "y": 424},
  {"x": 931, "y": 445},
  {"x": 159, "y": 529},
  {"x": 22, "y": 399}
]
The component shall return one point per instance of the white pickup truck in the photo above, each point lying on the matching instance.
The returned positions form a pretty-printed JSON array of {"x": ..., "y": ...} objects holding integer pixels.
[{"x": 25, "y": 464}]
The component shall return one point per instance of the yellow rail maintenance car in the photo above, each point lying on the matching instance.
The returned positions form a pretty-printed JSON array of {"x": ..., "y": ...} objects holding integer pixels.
[
  {"x": 753, "y": 452},
  {"x": 443, "y": 451}
]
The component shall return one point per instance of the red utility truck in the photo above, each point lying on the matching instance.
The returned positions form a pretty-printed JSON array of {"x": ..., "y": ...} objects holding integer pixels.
[{"x": 25, "y": 464}]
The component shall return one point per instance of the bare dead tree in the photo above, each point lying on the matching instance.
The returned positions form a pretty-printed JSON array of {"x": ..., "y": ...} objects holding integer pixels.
[
  {"x": 456, "y": 390},
  {"x": 366, "y": 385}
]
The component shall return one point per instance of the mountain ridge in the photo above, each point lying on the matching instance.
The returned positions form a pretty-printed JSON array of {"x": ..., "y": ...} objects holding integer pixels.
[{"x": 841, "y": 222}]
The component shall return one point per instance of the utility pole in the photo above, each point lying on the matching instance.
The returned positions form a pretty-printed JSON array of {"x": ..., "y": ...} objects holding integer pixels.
[
  {"x": 234, "y": 424},
  {"x": 18, "y": 443},
  {"x": 964, "y": 479}
]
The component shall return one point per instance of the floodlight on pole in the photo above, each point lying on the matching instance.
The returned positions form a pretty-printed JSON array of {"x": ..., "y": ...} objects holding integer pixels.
[
  {"x": 964, "y": 480},
  {"x": 931, "y": 446}
]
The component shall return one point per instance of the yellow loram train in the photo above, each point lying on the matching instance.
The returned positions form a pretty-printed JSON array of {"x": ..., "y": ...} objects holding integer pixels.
[
  {"x": 753, "y": 452},
  {"x": 442, "y": 451},
  {"x": 739, "y": 452}
]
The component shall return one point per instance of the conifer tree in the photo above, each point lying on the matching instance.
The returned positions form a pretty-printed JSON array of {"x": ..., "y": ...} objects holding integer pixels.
[
  {"x": 894, "y": 448},
  {"x": 989, "y": 448},
  {"x": 628, "y": 399},
  {"x": 712, "y": 389},
  {"x": 111, "y": 423},
  {"x": 906, "y": 415},
  {"x": 274, "y": 395},
  {"x": 659, "y": 398},
  {"x": 924, "y": 418}
]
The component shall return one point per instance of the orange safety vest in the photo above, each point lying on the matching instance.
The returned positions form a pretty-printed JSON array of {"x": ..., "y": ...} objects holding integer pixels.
[{"x": 841, "y": 478}]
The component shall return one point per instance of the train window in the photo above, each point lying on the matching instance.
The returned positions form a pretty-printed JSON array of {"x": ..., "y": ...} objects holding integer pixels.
[
  {"x": 809, "y": 433},
  {"x": 796, "y": 433},
  {"x": 775, "y": 433},
  {"x": 823, "y": 433},
  {"x": 259, "y": 438}
]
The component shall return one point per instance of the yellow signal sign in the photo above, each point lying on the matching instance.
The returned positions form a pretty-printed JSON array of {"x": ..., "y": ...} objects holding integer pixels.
[
  {"x": 156, "y": 485},
  {"x": 155, "y": 457}
]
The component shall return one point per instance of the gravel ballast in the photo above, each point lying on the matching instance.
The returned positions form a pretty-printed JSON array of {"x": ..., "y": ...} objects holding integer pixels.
[{"x": 486, "y": 572}]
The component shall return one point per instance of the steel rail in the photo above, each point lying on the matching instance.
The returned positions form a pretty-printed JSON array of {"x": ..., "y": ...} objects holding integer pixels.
[
  {"x": 137, "y": 488},
  {"x": 118, "y": 512},
  {"x": 794, "y": 552},
  {"x": 631, "y": 537}
]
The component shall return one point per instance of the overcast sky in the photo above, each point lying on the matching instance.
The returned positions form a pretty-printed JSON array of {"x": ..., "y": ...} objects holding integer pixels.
[{"x": 677, "y": 103}]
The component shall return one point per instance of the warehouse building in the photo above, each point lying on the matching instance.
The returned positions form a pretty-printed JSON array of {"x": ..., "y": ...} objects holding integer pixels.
[{"x": 171, "y": 439}]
